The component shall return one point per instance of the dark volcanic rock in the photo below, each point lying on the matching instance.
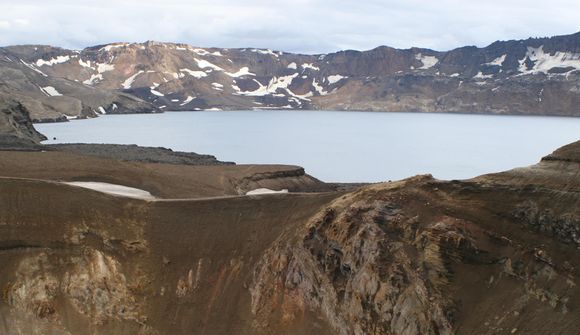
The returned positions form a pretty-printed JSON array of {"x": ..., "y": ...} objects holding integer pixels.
[
  {"x": 16, "y": 129},
  {"x": 138, "y": 154}
]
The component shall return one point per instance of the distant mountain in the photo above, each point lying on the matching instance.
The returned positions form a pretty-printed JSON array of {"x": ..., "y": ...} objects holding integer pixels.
[{"x": 535, "y": 76}]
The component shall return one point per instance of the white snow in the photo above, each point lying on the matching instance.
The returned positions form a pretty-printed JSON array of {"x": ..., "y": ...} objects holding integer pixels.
[
  {"x": 157, "y": 93},
  {"x": 102, "y": 110},
  {"x": 114, "y": 189},
  {"x": 51, "y": 91},
  {"x": 544, "y": 62},
  {"x": 310, "y": 66},
  {"x": 245, "y": 71},
  {"x": 213, "y": 109},
  {"x": 265, "y": 52},
  {"x": 93, "y": 79},
  {"x": 454, "y": 75},
  {"x": 274, "y": 84},
  {"x": 260, "y": 191},
  {"x": 112, "y": 46},
  {"x": 292, "y": 66},
  {"x": 129, "y": 81},
  {"x": 480, "y": 75},
  {"x": 30, "y": 66},
  {"x": 85, "y": 64},
  {"x": 318, "y": 88},
  {"x": 498, "y": 61},
  {"x": 335, "y": 78},
  {"x": 202, "y": 64},
  {"x": 53, "y": 61},
  {"x": 203, "y": 52},
  {"x": 428, "y": 61},
  {"x": 187, "y": 100},
  {"x": 196, "y": 74},
  {"x": 105, "y": 67}
]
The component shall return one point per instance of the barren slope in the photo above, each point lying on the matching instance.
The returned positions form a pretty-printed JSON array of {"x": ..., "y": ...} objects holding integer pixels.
[{"x": 496, "y": 254}]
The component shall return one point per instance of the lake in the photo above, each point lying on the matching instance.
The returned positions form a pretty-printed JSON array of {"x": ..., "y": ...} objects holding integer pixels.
[{"x": 339, "y": 146}]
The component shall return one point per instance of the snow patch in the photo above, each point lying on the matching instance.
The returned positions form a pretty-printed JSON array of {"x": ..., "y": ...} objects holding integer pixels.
[
  {"x": 102, "y": 110},
  {"x": 310, "y": 66},
  {"x": 85, "y": 64},
  {"x": 544, "y": 62},
  {"x": 259, "y": 191},
  {"x": 105, "y": 67},
  {"x": 129, "y": 81},
  {"x": 203, "y": 52},
  {"x": 202, "y": 64},
  {"x": 266, "y": 52},
  {"x": 480, "y": 75},
  {"x": 273, "y": 85},
  {"x": 245, "y": 71},
  {"x": 114, "y": 189},
  {"x": 318, "y": 88},
  {"x": 93, "y": 79},
  {"x": 112, "y": 46},
  {"x": 428, "y": 61},
  {"x": 196, "y": 74},
  {"x": 335, "y": 78},
  {"x": 157, "y": 93},
  {"x": 52, "y": 61},
  {"x": 187, "y": 100},
  {"x": 498, "y": 61},
  {"x": 292, "y": 66},
  {"x": 51, "y": 91}
]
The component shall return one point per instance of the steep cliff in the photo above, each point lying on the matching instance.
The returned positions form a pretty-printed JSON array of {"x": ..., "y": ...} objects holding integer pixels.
[{"x": 16, "y": 129}]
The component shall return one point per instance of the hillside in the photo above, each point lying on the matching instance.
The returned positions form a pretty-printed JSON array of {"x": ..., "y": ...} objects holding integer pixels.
[
  {"x": 534, "y": 76},
  {"x": 494, "y": 254}
]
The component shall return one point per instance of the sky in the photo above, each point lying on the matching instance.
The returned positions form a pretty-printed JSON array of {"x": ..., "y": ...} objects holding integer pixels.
[{"x": 304, "y": 26}]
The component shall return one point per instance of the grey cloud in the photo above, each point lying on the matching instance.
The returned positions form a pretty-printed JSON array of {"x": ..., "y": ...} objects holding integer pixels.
[{"x": 309, "y": 26}]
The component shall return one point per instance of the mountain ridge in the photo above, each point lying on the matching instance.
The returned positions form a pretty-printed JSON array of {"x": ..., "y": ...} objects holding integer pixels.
[{"x": 536, "y": 76}]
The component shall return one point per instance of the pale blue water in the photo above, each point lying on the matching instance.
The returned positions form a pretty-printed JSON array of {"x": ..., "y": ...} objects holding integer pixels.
[{"x": 339, "y": 146}]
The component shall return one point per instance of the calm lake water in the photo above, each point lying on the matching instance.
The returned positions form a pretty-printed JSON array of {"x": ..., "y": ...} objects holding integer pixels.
[{"x": 339, "y": 146}]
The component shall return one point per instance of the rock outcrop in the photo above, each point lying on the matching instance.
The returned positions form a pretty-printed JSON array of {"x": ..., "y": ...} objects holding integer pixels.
[{"x": 16, "y": 129}]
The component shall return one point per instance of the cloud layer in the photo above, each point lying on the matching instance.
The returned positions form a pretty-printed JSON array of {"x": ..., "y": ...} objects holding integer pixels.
[{"x": 307, "y": 26}]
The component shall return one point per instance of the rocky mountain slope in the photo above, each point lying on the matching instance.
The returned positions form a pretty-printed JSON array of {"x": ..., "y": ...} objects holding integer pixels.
[
  {"x": 54, "y": 98},
  {"x": 534, "y": 76},
  {"x": 16, "y": 129},
  {"x": 497, "y": 254}
]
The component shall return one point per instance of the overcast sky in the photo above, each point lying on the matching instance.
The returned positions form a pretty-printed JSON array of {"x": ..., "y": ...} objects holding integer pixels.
[{"x": 308, "y": 26}]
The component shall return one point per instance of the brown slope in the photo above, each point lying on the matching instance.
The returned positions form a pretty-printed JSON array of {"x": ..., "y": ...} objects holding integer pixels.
[{"x": 495, "y": 254}]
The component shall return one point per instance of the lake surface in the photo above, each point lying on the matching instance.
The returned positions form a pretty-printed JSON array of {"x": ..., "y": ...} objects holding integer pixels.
[{"x": 339, "y": 146}]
